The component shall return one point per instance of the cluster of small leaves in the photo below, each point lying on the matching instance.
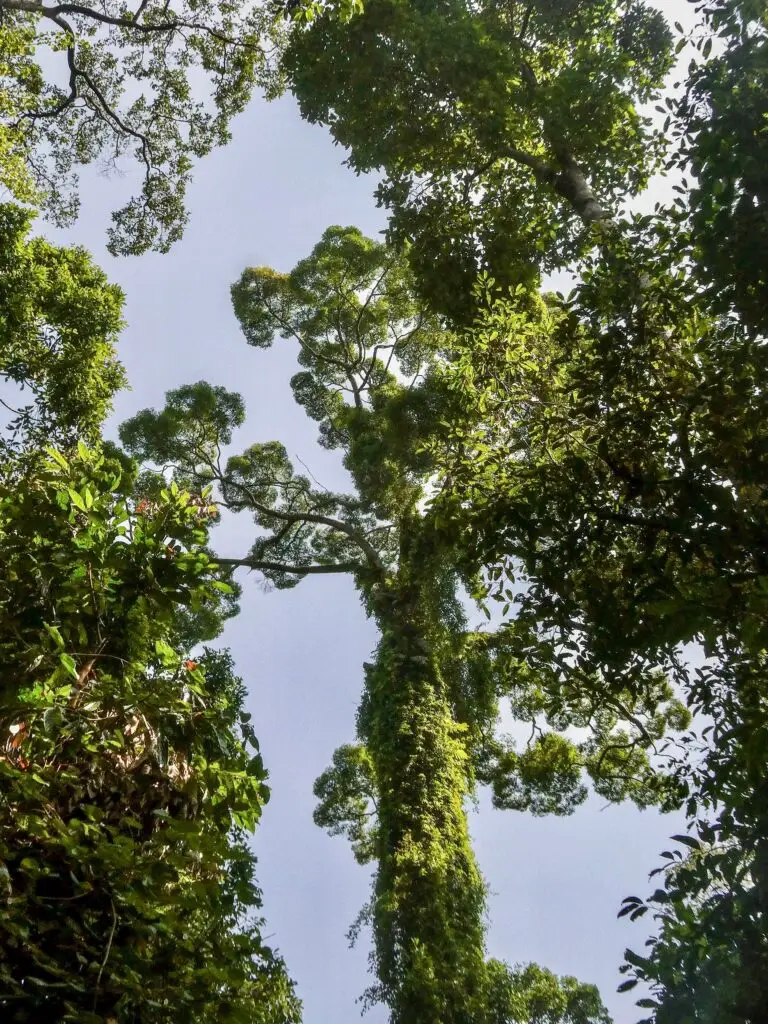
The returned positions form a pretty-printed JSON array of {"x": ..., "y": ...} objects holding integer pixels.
[
  {"x": 128, "y": 893},
  {"x": 720, "y": 124},
  {"x": 58, "y": 329},
  {"x": 708, "y": 961},
  {"x": 583, "y": 726},
  {"x": 533, "y": 995},
  {"x": 347, "y": 800},
  {"x": 363, "y": 335}
]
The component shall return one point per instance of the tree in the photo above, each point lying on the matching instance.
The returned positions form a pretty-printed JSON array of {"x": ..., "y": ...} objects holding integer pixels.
[
  {"x": 130, "y": 82},
  {"x": 535, "y": 995},
  {"x": 602, "y": 461},
  {"x": 508, "y": 134},
  {"x": 128, "y": 786},
  {"x": 125, "y": 765},
  {"x": 618, "y": 477},
  {"x": 371, "y": 357}
]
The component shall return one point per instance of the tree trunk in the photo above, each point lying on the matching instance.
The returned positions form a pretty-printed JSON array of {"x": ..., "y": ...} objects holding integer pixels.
[{"x": 429, "y": 896}]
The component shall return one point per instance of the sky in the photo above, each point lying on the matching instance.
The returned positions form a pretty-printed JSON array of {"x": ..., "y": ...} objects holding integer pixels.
[{"x": 556, "y": 884}]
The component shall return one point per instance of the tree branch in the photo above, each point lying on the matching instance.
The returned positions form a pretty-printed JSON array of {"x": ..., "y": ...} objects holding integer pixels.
[
  {"x": 298, "y": 570},
  {"x": 74, "y": 73},
  {"x": 526, "y": 20},
  {"x": 34, "y": 115},
  {"x": 36, "y": 7},
  {"x": 339, "y": 525}
]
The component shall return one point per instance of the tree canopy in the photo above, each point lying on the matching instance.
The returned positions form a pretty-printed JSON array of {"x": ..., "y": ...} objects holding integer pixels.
[
  {"x": 59, "y": 325},
  {"x": 506, "y": 132},
  {"x": 589, "y": 467}
]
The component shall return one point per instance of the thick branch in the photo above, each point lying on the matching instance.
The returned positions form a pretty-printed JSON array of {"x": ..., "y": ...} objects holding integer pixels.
[
  {"x": 110, "y": 113},
  {"x": 36, "y": 7},
  {"x": 566, "y": 177},
  {"x": 636, "y": 520},
  {"x": 569, "y": 181},
  {"x": 298, "y": 570},
  {"x": 339, "y": 525},
  {"x": 526, "y": 20},
  {"x": 629, "y": 717}
]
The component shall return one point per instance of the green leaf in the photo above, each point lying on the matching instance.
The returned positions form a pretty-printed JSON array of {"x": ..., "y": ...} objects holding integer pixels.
[
  {"x": 68, "y": 662},
  {"x": 57, "y": 457},
  {"x": 689, "y": 841},
  {"x": 76, "y": 499}
]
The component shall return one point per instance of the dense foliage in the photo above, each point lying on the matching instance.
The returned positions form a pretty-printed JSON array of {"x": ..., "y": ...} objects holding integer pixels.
[
  {"x": 126, "y": 894},
  {"x": 615, "y": 477},
  {"x": 506, "y": 131},
  {"x": 129, "y": 774},
  {"x": 59, "y": 324}
]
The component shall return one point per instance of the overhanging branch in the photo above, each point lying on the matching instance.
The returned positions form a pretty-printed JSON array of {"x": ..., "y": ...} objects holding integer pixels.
[
  {"x": 251, "y": 502},
  {"x": 132, "y": 23},
  {"x": 567, "y": 179},
  {"x": 297, "y": 570}
]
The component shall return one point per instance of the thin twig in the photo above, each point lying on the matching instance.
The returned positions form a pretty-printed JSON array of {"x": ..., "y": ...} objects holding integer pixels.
[
  {"x": 106, "y": 954},
  {"x": 299, "y": 459}
]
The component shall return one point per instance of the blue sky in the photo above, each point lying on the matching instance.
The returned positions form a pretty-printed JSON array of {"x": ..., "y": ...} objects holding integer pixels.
[{"x": 556, "y": 884}]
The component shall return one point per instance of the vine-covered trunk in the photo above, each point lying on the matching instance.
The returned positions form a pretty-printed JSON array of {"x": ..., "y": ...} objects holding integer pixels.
[{"x": 429, "y": 896}]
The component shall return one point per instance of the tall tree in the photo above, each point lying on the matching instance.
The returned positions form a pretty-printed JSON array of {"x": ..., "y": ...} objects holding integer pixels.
[
  {"x": 427, "y": 721},
  {"x": 607, "y": 467}
]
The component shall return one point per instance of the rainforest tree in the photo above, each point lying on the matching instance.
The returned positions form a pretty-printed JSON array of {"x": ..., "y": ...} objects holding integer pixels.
[
  {"x": 595, "y": 462},
  {"x": 130, "y": 775},
  {"x": 127, "y": 779},
  {"x": 605, "y": 474},
  {"x": 370, "y": 353}
]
